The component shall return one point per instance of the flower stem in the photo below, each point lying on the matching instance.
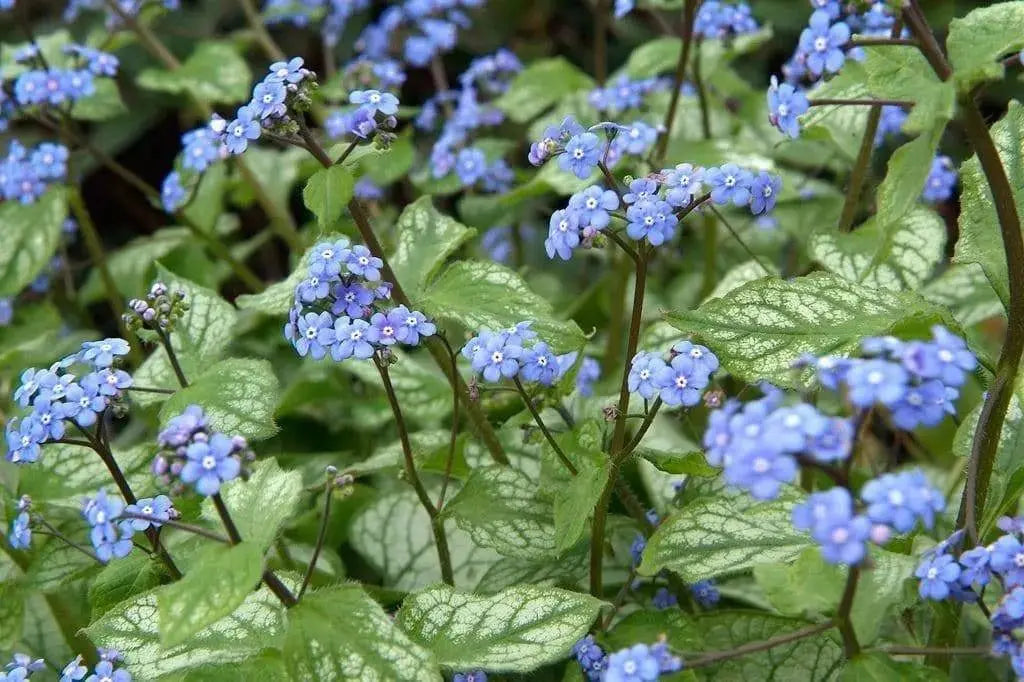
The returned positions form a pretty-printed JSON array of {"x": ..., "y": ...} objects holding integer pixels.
[
  {"x": 702, "y": 95},
  {"x": 320, "y": 536},
  {"x": 689, "y": 12},
  {"x": 851, "y": 647},
  {"x": 566, "y": 462},
  {"x": 644, "y": 426},
  {"x": 839, "y": 101},
  {"x": 53, "y": 532},
  {"x": 171, "y": 523},
  {"x": 602, "y": 10},
  {"x": 267, "y": 44},
  {"x": 993, "y": 412},
  {"x": 714, "y": 657},
  {"x": 165, "y": 341},
  {"x": 436, "y": 523},
  {"x": 454, "y": 436},
  {"x": 739, "y": 240}
]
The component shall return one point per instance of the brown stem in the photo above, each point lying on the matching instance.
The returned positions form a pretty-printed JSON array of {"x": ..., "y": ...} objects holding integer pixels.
[
  {"x": 851, "y": 647},
  {"x": 753, "y": 647},
  {"x": 689, "y": 13},
  {"x": 867, "y": 41},
  {"x": 702, "y": 95},
  {"x": 436, "y": 523},
  {"x": 165, "y": 341},
  {"x": 321, "y": 536},
  {"x": 566, "y": 462},
  {"x": 171, "y": 523},
  {"x": 644, "y": 426},
  {"x": 602, "y": 10},
  {"x": 454, "y": 435},
  {"x": 267, "y": 44}
]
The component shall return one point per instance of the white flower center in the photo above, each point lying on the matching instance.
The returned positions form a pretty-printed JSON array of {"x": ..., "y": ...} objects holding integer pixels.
[
  {"x": 945, "y": 355},
  {"x": 914, "y": 398},
  {"x": 542, "y": 361},
  {"x": 875, "y": 377},
  {"x": 238, "y": 131},
  {"x": 411, "y": 322},
  {"x": 147, "y": 510},
  {"x": 209, "y": 462},
  {"x": 645, "y": 374},
  {"x": 577, "y": 154},
  {"x": 681, "y": 382},
  {"x": 840, "y": 535},
  {"x": 761, "y": 465},
  {"x": 591, "y": 203},
  {"x": 388, "y": 330},
  {"x": 363, "y": 260},
  {"x": 101, "y": 517},
  {"x": 783, "y": 110},
  {"x": 820, "y": 44},
  {"x": 767, "y": 191},
  {"x": 933, "y": 573},
  {"x": 895, "y": 498},
  {"x": 356, "y": 335},
  {"x": 311, "y": 333},
  {"x": 497, "y": 357},
  {"x": 374, "y": 98},
  {"x": 327, "y": 254}
]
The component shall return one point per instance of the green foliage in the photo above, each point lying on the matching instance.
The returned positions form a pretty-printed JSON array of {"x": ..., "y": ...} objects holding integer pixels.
[
  {"x": 426, "y": 238},
  {"x": 31, "y": 233},
  {"x": 539, "y": 86},
  {"x": 978, "y": 40},
  {"x": 260, "y": 505},
  {"x": 214, "y": 73},
  {"x": 327, "y": 193}
]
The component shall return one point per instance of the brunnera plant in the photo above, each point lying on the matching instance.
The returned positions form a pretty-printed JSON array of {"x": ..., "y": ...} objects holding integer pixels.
[{"x": 681, "y": 342}]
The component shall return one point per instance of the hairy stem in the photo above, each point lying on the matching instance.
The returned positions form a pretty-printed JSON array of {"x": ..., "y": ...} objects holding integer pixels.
[
  {"x": 739, "y": 240},
  {"x": 644, "y": 426},
  {"x": 321, "y": 535},
  {"x": 689, "y": 12},
  {"x": 436, "y": 523},
  {"x": 454, "y": 435},
  {"x": 566, "y": 462},
  {"x": 171, "y": 523}
]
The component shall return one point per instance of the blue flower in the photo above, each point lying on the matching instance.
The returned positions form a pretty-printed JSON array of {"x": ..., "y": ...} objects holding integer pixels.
[
  {"x": 760, "y": 469},
  {"x": 23, "y": 439},
  {"x": 703, "y": 359},
  {"x": 240, "y": 131},
  {"x": 268, "y": 99},
  {"x": 158, "y": 507},
  {"x": 975, "y": 568},
  {"x": 729, "y": 183},
  {"x": 705, "y": 593},
  {"x": 843, "y": 539},
  {"x": 643, "y": 371},
  {"x": 388, "y": 326},
  {"x": 210, "y": 464},
  {"x": 790, "y": 428},
  {"x": 413, "y": 325},
  {"x": 955, "y": 358},
  {"x": 539, "y": 364},
  {"x": 563, "y": 234},
  {"x": 681, "y": 382},
  {"x": 326, "y": 258},
  {"x": 109, "y": 540},
  {"x": 50, "y": 418},
  {"x": 890, "y": 123},
  {"x": 470, "y": 165},
  {"x": 833, "y": 443},
  {"x": 623, "y": 7},
  {"x": 101, "y": 354},
  {"x": 591, "y": 657},
  {"x": 290, "y": 71},
  {"x": 900, "y": 499},
  {"x": 582, "y": 154},
  {"x": 638, "y": 138},
  {"x": 785, "y": 105},
  {"x": 663, "y": 599},
  {"x": 667, "y": 662},
  {"x": 1007, "y": 560},
  {"x": 591, "y": 206},
  {"x": 200, "y": 149},
  {"x": 172, "y": 192},
  {"x": 822, "y": 42},
  {"x": 921, "y": 405},
  {"x": 21, "y": 533},
  {"x": 364, "y": 264},
  {"x": 18, "y": 674},
  {"x": 941, "y": 180},
  {"x": 635, "y": 664},
  {"x": 354, "y": 338},
  {"x": 684, "y": 182},
  {"x": 181, "y": 428},
  {"x": 6, "y": 310},
  {"x": 640, "y": 189},
  {"x": 313, "y": 288},
  {"x": 937, "y": 573},
  {"x": 374, "y": 101},
  {"x": 105, "y": 672},
  {"x": 315, "y": 334},
  {"x": 764, "y": 192},
  {"x": 871, "y": 381},
  {"x": 74, "y": 671},
  {"x": 497, "y": 358}
]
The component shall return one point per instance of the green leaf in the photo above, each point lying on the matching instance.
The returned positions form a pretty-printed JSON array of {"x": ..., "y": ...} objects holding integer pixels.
[
  {"x": 102, "y": 105},
  {"x": 395, "y": 164},
  {"x": 199, "y": 338},
  {"x": 980, "y": 240},
  {"x": 239, "y": 395},
  {"x": 223, "y": 577},
  {"x": 660, "y": 55},
  {"x": 31, "y": 337},
  {"x": 738, "y": 275},
  {"x": 895, "y": 71},
  {"x": 690, "y": 463},
  {"x": 723, "y": 536},
  {"x": 878, "y": 667},
  {"x": 516, "y": 630},
  {"x": 214, "y": 73},
  {"x": 131, "y": 628},
  {"x": 55, "y": 565},
  {"x": 262, "y": 504},
  {"x": 31, "y": 233},
  {"x": 426, "y": 238},
  {"x": 977, "y": 41},
  {"x": 905, "y": 179},
  {"x": 394, "y": 535},
  {"x": 341, "y": 633},
  {"x": 966, "y": 291},
  {"x": 327, "y": 193},
  {"x": 648, "y": 625},
  {"x": 426, "y": 393},
  {"x": 841, "y": 125},
  {"x": 481, "y": 295},
  {"x": 896, "y": 256},
  {"x": 498, "y": 507},
  {"x": 131, "y": 266},
  {"x": 811, "y": 658},
  {"x": 121, "y": 580},
  {"x": 12, "y": 613},
  {"x": 67, "y": 473},
  {"x": 575, "y": 505},
  {"x": 759, "y": 329},
  {"x": 539, "y": 86}
]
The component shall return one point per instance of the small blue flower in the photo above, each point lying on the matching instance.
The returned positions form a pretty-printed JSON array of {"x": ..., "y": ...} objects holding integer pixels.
[
  {"x": 729, "y": 183},
  {"x": 640, "y": 189},
  {"x": 315, "y": 334},
  {"x": 159, "y": 508},
  {"x": 172, "y": 192},
  {"x": 900, "y": 499},
  {"x": 591, "y": 657},
  {"x": 388, "y": 326},
  {"x": 761, "y": 470},
  {"x": 497, "y": 358},
  {"x": 890, "y": 123},
  {"x": 364, "y": 264},
  {"x": 539, "y": 364},
  {"x": 643, "y": 371},
  {"x": 834, "y": 443},
  {"x": 50, "y": 418},
  {"x": 268, "y": 99},
  {"x": 210, "y": 464},
  {"x": 101, "y": 354},
  {"x": 354, "y": 338},
  {"x": 582, "y": 154},
  {"x": 822, "y": 42},
  {"x": 705, "y": 593},
  {"x": 592, "y": 205},
  {"x": 74, "y": 671},
  {"x": 876, "y": 381},
  {"x": 240, "y": 131},
  {"x": 681, "y": 382},
  {"x": 413, "y": 325},
  {"x": 937, "y": 573},
  {"x": 975, "y": 568},
  {"x": 635, "y": 664},
  {"x": 326, "y": 258},
  {"x": 922, "y": 405},
  {"x": 563, "y": 234},
  {"x": 684, "y": 183},
  {"x": 374, "y": 101},
  {"x": 290, "y": 71},
  {"x": 636, "y": 549},
  {"x": 941, "y": 180},
  {"x": 105, "y": 672},
  {"x": 109, "y": 540},
  {"x": 181, "y": 428},
  {"x": 475, "y": 676},
  {"x": 663, "y": 599},
  {"x": 638, "y": 138},
  {"x": 764, "y": 192},
  {"x": 785, "y": 105},
  {"x": 1007, "y": 560},
  {"x": 703, "y": 359},
  {"x": 623, "y": 7},
  {"x": 21, "y": 532},
  {"x": 470, "y": 165}
]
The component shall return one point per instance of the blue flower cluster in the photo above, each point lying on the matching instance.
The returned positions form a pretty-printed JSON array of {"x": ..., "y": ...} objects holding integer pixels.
[
  {"x": 963, "y": 575},
  {"x": 334, "y": 14},
  {"x": 723, "y": 20},
  {"x": 25, "y": 174},
  {"x": 918, "y": 381},
  {"x": 110, "y": 533},
  {"x": 339, "y": 308},
  {"x": 21, "y": 666},
  {"x": 705, "y": 593},
  {"x": 591, "y": 657},
  {"x": 580, "y": 150},
  {"x": 474, "y": 676},
  {"x": 680, "y": 382},
  {"x": 271, "y": 101},
  {"x": 192, "y": 453},
  {"x": 58, "y": 397},
  {"x": 106, "y": 670},
  {"x": 20, "y": 536},
  {"x": 515, "y": 352},
  {"x": 624, "y": 93},
  {"x": 641, "y": 663},
  {"x": 423, "y": 28},
  {"x": 941, "y": 180},
  {"x": 454, "y": 150}
]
